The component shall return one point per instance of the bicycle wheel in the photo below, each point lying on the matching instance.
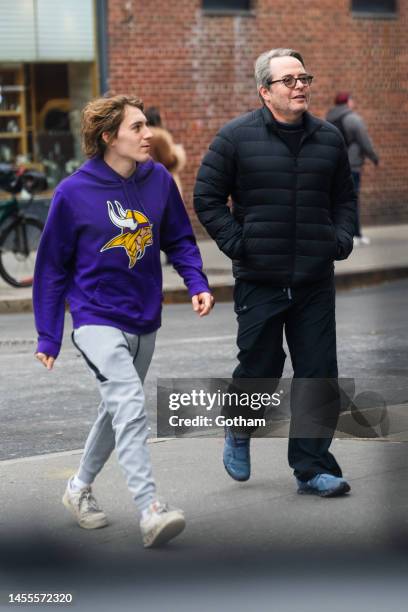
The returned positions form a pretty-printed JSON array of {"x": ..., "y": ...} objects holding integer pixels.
[{"x": 18, "y": 250}]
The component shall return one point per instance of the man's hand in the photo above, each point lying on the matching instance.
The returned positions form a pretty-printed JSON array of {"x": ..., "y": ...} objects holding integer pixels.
[
  {"x": 202, "y": 303},
  {"x": 46, "y": 360}
]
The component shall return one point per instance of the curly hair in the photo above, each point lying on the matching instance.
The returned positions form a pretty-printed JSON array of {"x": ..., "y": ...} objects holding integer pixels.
[{"x": 104, "y": 115}]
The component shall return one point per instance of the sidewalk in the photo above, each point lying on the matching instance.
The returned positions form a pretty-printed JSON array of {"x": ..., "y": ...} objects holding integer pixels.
[
  {"x": 264, "y": 514},
  {"x": 386, "y": 258},
  {"x": 255, "y": 545}
]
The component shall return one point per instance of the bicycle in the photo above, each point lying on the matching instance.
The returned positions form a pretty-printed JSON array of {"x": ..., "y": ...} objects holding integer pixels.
[{"x": 21, "y": 234}]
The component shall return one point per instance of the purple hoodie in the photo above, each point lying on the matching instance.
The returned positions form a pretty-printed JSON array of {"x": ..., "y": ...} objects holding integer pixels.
[{"x": 100, "y": 251}]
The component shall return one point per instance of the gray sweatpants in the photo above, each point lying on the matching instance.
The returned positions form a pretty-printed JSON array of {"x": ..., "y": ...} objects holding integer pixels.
[{"x": 120, "y": 362}]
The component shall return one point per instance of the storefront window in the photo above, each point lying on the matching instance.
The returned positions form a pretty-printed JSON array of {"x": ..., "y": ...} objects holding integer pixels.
[{"x": 47, "y": 74}]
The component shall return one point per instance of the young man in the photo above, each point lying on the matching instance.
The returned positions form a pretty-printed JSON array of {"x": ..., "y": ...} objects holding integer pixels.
[
  {"x": 294, "y": 210},
  {"x": 100, "y": 251},
  {"x": 359, "y": 146}
]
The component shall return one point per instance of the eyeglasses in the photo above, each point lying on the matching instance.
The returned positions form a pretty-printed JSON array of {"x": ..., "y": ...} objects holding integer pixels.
[{"x": 291, "y": 81}]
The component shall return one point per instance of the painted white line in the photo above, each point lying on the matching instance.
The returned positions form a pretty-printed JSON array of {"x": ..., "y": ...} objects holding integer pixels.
[
  {"x": 17, "y": 342},
  {"x": 164, "y": 343},
  {"x": 195, "y": 340}
]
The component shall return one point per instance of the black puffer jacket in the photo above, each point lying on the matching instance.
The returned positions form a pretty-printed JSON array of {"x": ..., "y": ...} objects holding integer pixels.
[{"x": 291, "y": 216}]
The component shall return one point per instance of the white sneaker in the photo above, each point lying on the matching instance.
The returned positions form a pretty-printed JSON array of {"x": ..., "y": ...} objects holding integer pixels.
[
  {"x": 84, "y": 507},
  {"x": 361, "y": 241},
  {"x": 161, "y": 524}
]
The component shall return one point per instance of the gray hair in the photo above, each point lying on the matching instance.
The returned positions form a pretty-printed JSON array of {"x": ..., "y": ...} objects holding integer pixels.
[{"x": 262, "y": 64}]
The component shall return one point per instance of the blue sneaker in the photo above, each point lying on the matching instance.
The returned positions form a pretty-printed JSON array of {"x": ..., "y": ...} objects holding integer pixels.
[
  {"x": 324, "y": 485},
  {"x": 236, "y": 456}
]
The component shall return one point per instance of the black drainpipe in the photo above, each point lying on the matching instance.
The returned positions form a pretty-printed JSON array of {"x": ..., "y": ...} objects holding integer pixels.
[{"x": 102, "y": 41}]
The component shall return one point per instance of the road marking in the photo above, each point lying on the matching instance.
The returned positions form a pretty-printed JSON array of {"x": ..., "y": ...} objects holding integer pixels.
[
  {"x": 22, "y": 342},
  {"x": 17, "y": 342},
  {"x": 199, "y": 339}
]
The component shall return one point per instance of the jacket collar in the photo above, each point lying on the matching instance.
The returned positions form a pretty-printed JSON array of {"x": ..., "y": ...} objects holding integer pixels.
[{"x": 311, "y": 123}]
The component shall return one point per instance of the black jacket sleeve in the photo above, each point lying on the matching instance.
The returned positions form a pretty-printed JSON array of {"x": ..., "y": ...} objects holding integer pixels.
[
  {"x": 214, "y": 184},
  {"x": 344, "y": 206}
]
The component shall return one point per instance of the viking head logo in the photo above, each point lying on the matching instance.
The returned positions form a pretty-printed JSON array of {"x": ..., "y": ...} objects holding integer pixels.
[{"x": 136, "y": 232}]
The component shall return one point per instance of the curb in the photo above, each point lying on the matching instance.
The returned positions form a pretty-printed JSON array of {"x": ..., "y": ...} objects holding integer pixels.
[
  {"x": 343, "y": 280},
  {"x": 366, "y": 278},
  {"x": 224, "y": 292},
  {"x": 15, "y": 305}
]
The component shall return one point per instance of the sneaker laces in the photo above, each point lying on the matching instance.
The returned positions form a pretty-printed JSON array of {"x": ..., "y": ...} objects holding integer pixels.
[
  {"x": 241, "y": 442},
  {"x": 239, "y": 447},
  {"x": 159, "y": 507},
  {"x": 89, "y": 501}
]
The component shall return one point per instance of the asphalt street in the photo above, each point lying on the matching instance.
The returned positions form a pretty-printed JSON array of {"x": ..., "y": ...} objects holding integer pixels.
[{"x": 45, "y": 412}]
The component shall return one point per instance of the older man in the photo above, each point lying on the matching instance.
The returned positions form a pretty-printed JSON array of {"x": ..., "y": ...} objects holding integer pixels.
[{"x": 293, "y": 214}]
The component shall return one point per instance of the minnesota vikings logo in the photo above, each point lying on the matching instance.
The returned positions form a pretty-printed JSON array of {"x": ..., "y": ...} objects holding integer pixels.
[{"x": 136, "y": 232}]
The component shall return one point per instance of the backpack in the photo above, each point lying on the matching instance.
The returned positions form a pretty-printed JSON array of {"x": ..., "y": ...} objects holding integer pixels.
[{"x": 339, "y": 125}]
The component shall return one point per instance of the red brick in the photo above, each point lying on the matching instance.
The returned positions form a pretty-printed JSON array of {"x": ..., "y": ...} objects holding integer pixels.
[{"x": 198, "y": 70}]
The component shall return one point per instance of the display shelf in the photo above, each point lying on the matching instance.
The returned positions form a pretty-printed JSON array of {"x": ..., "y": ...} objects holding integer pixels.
[
  {"x": 10, "y": 113},
  {"x": 13, "y": 108},
  {"x": 5, "y": 135}
]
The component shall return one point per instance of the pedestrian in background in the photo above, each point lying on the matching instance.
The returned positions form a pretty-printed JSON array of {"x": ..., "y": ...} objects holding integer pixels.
[
  {"x": 359, "y": 146},
  {"x": 100, "y": 251},
  {"x": 162, "y": 147},
  {"x": 293, "y": 214}
]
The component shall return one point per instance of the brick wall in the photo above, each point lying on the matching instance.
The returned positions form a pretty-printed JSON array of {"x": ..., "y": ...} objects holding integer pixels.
[{"x": 198, "y": 69}]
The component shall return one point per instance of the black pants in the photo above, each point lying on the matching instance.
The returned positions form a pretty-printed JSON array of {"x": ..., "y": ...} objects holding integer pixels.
[
  {"x": 357, "y": 181},
  {"x": 307, "y": 315}
]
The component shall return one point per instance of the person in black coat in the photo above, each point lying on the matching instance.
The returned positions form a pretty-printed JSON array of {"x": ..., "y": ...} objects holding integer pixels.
[{"x": 292, "y": 213}]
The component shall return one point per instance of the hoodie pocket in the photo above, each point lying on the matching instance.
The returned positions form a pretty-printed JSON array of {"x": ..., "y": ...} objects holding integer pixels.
[{"x": 137, "y": 298}]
